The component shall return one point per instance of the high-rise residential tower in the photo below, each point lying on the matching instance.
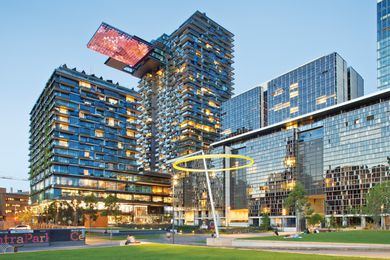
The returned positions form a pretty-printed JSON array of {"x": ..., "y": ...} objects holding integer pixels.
[
  {"x": 184, "y": 79},
  {"x": 83, "y": 141},
  {"x": 383, "y": 43}
]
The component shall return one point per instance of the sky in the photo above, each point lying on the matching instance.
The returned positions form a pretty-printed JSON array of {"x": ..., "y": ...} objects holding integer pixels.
[{"x": 271, "y": 38}]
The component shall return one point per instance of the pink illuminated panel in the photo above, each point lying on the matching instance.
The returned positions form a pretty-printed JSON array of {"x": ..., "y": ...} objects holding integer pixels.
[{"x": 119, "y": 45}]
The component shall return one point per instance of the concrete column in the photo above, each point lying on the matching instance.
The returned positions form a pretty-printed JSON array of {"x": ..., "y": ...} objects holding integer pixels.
[
  {"x": 382, "y": 222},
  {"x": 363, "y": 221},
  {"x": 327, "y": 221},
  {"x": 344, "y": 221}
]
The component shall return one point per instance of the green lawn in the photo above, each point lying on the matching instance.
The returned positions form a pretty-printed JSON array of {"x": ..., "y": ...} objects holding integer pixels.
[
  {"x": 370, "y": 237},
  {"x": 107, "y": 237},
  {"x": 155, "y": 251}
]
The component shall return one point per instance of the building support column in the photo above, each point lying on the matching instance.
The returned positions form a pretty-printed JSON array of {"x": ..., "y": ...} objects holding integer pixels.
[{"x": 363, "y": 221}]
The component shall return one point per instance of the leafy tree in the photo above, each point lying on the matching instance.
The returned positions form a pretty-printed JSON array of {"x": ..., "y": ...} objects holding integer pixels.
[
  {"x": 314, "y": 219},
  {"x": 265, "y": 222},
  {"x": 111, "y": 207},
  {"x": 25, "y": 216},
  {"x": 91, "y": 208},
  {"x": 297, "y": 201},
  {"x": 378, "y": 201},
  {"x": 332, "y": 222}
]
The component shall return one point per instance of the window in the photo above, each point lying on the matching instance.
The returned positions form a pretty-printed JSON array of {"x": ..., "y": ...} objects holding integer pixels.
[
  {"x": 63, "y": 143},
  {"x": 321, "y": 100},
  {"x": 112, "y": 101},
  {"x": 120, "y": 145},
  {"x": 277, "y": 92},
  {"x": 86, "y": 154},
  {"x": 63, "y": 127},
  {"x": 294, "y": 86},
  {"x": 99, "y": 133},
  {"x": 370, "y": 117},
  {"x": 293, "y": 110},
  {"x": 130, "y": 133},
  {"x": 84, "y": 84},
  {"x": 111, "y": 121},
  {"x": 130, "y": 99}
]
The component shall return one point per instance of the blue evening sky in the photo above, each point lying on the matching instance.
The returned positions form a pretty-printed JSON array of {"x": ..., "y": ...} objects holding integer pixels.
[{"x": 271, "y": 37}]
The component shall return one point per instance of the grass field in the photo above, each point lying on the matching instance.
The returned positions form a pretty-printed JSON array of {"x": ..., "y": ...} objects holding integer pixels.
[
  {"x": 161, "y": 252},
  {"x": 369, "y": 237},
  {"x": 107, "y": 237}
]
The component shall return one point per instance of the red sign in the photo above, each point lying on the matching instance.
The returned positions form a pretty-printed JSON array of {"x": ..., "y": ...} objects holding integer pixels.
[{"x": 119, "y": 45}]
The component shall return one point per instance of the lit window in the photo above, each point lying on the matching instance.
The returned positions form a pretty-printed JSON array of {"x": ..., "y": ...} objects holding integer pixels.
[
  {"x": 277, "y": 92},
  {"x": 130, "y": 133},
  {"x": 212, "y": 103},
  {"x": 321, "y": 100},
  {"x": 293, "y": 110},
  {"x": 84, "y": 84},
  {"x": 280, "y": 106},
  {"x": 63, "y": 143},
  {"x": 130, "y": 99},
  {"x": 63, "y": 127},
  {"x": 294, "y": 86},
  {"x": 86, "y": 172},
  {"x": 129, "y": 153},
  {"x": 208, "y": 46},
  {"x": 112, "y": 101},
  {"x": 63, "y": 110},
  {"x": 111, "y": 121},
  {"x": 63, "y": 119},
  {"x": 131, "y": 120},
  {"x": 86, "y": 154},
  {"x": 120, "y": 145},
  {"x": 81, "y": 114},
  {"x": 294, "y": 93},
  {"x": 99, "y": 133}
]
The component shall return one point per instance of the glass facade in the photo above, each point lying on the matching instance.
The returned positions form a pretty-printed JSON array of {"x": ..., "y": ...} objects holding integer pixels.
[
  {"x": 242, "y": 113},
  {"x": 318, "y": 84},
  {"x": 83, "y": 141},
  {"x": 383, "y": 43},
  {"x": 337, "y": 153}
]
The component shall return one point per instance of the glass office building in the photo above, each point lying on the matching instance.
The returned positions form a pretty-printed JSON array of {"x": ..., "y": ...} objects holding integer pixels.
[
  {"x": 83, "y": 141},
  {"x": 383, "y": 43},
  {"x": 242, "y": 113},
  {"x": 338, "y": 153},
  {"x": 320, "y": 83}
]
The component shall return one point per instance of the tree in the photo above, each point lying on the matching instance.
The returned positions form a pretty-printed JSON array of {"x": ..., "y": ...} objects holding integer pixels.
[
  {"x": 314, "y": 219},
  {"x": 25, "y": 216},
  {"x": 91, "y": 208},
  {"x": 297, "y": 201},
  {"x": 265, "y": 222},
  {"x": 111, "y": 207},
  {"x": 378, "y": 201}
]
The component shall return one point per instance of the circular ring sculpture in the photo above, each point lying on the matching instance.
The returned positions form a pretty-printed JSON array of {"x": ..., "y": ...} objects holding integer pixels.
[{"x": 249, "y": 160}]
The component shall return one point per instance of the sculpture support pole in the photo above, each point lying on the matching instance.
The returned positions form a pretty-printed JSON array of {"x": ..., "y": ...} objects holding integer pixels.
[{"x": 210, "y": 196}]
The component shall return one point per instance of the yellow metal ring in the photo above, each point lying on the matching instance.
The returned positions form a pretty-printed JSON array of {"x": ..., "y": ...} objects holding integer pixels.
[{"x": 213, "y": 156}]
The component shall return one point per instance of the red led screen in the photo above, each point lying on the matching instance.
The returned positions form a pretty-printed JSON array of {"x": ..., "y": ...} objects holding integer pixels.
[{"x": 119, "y": 45}]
